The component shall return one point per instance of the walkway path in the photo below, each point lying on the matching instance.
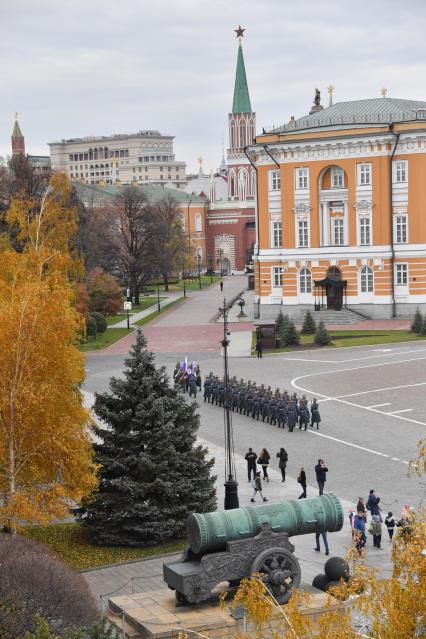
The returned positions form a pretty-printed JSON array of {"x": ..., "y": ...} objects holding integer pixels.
[{"x": 135, "y": 317}]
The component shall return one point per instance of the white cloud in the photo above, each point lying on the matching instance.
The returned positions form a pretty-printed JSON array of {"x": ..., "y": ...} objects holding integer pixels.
[{"x": 104, "y": 67}]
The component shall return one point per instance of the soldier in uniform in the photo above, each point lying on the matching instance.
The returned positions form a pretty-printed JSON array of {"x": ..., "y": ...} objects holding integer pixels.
[
  {"x": 303, "y": 414},
  {"x": 291, "y": 415},
  {"x": 221, "y": 395},
  {"x": 242, "y": 399},
  {"x": 249, "y": 402},
  {"x": 207, "y": 388},
  {"x": 256, "y": 406},
  {"x": 235, "y": 397},
  {"x": 273, "y": 411},
  {"x": 282, "y": 413},
  {"x": 315, "y": 414},
  {"x": 265, "y": 407},
  {"x": 214, "y": 390},
  {"x": 192, "y": 383}
]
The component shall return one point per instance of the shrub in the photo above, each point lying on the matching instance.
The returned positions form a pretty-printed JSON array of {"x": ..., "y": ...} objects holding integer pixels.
[
  {"x": 34, "y": 582},
  {"x": 423, "y": 328},
  {"x": 105, "y": 295},
  {"x": 91, "y": 327},
  {"x": 417, "y": 323},
  {"x": 289, "y": 335},
  {"x": 309, "y": 325},
  {"x": 101, "y": 323},
  {"x": 322, "y": 336}
]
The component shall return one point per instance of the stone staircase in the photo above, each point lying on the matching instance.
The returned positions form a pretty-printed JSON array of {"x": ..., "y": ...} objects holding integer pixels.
[{"x": 345, "y": 317}]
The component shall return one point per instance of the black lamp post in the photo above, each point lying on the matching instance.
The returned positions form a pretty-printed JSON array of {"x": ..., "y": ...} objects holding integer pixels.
[
  {"x": 158, "y": 290},
  {"x": 231, "y": 484},
  {"x": 210, "y": 260},
  {"x": 199, "y": 269},
  {"x": 220, "y": 261},
  {"x": 183, "y": 277}
]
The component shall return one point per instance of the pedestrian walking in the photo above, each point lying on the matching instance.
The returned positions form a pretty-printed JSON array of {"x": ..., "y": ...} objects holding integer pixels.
[
  {"x": 259, "y": 347},
  {"x": 321, "y": 471},
  {"x": 376, "y": 530},
  {"x": 302, "y": 481},
  {"x": 360, "y": 507},
  {"x": 257, "y": 485},
  {"x": 263, "y": 460},
  {"x": 373, "y": 504},
  {"x": 390, "y": 525},
  {"x": 359, "y": 531},
  {"x": 251, "y": 459},
  {"x": 283, "y": 457},
  {"x": 221, "y": 286},
  {"x": 325, "y": 540}
]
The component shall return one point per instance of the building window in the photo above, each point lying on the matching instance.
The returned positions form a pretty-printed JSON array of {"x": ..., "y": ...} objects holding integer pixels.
[
  {"x": 302, "y": 233},
  {"x": 401, "y": 274},
  {"x": 365, "y": 231},
  {"x": 274, "y": 180},
  {"x": 301, "y": 178},
  {"x": 337, "y": 178},
  {"x": 305, "y": 281},
  {"x": 277, "y": 235},
  {"x": 367, "y": 279},
  {"x": 364, "y": 174},
  {"x": 277, "y": 276},
  {"x": 198, "y": 223},
  {"x": 338, "y": 231},
  {"x": 400, "y": 229},
  {"x": 400, "y": 171}
]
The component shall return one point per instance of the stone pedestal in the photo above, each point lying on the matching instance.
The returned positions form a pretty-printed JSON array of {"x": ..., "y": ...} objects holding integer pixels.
[{"x": 156, "y": 615}]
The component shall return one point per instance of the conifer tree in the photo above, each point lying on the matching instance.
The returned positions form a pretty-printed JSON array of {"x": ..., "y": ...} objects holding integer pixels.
[
  {"x": 152, "y": 472},
  {"x": 417, "y": 323},
  {"x": 279, "y": 322},
  {"x": 322, "y": 336},
  {"x": 283, "y": 327},
  {"x": 290, "y": 337},
  {"x": 422, "y": 331},
  {"x": 309, "y": 326}
]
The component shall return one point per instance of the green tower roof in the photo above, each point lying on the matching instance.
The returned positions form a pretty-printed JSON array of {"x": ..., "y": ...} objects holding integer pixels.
[
  {"x": 241, "y": 103},
  {"x": 17, "y": 130}
]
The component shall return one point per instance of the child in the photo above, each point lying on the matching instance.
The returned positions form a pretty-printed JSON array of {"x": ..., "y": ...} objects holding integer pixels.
[
  {"x": 390, "y": 525},
  {"x": 257, "y": 485}
]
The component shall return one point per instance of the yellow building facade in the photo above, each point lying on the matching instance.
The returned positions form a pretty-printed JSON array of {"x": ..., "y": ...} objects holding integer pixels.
[{"x": 341, "y": 210}]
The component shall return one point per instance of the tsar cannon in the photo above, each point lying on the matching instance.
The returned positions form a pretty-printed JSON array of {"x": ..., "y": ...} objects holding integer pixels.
[{"x": 232, "y": 544}]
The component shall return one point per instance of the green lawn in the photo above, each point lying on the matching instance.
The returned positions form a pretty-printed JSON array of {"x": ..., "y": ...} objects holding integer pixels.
[
  {"x": 146, "y": 302},
  {"x": 191, "y": 285},
  {"x": 349, "y": 338},
  {"x": 154, "y": 314},
  {"x": 71, "y": 543},
  {"x": 104, "y": 340}
]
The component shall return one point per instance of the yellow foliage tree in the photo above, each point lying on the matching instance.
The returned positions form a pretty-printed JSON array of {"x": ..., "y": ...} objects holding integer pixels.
[
  {"x": 45, "y": 445},
  {"x": 391, "y": 608}
]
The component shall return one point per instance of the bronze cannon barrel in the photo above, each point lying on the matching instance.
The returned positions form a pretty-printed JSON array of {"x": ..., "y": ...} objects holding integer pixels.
[{"x": 210, "y": 531}]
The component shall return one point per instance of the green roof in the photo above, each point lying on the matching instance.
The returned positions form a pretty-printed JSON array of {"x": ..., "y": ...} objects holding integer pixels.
[
  {"x": 154, "y": 192},
  {"x": 16, "y": 130},
  {"x": 241, "y": 103}
]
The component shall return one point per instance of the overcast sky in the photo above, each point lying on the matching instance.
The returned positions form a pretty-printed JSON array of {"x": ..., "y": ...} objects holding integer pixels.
[{"x": 95, "y": 67}]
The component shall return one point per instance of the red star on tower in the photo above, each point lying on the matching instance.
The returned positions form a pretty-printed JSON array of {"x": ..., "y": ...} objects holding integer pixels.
[{"x": 239, "y": 32}]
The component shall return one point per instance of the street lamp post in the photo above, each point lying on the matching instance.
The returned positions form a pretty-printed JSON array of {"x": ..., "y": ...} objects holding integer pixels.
[
  {"x": 158, "y": 291},
  {"x": 220, "y": 262},
  {"x": 231, "y": 484},
  {"x": 183, "y": 277},
  {"x": 199, "y": 269},
  {"x": 210, "y": 260}
]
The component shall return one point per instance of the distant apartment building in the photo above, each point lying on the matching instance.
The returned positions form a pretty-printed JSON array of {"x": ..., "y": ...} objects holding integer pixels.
[{"x": 145, "y": 157}]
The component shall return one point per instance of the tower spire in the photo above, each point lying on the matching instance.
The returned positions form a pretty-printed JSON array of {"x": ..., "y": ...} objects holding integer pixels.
[
  {"x": 18, "y": 141},
  {"x": 241, "y": 102}
]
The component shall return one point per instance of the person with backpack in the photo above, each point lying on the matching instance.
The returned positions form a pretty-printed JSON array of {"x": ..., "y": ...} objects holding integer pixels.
[
  {"x": 257, "y": 486},
  {"x": 263, "y": 460},
  {"x": 302, "y": 481},
  {"x": 283, "y": 457}
]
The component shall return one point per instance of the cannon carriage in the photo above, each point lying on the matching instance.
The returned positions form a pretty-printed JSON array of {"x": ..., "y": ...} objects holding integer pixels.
[{"x": 233, "y": 544}]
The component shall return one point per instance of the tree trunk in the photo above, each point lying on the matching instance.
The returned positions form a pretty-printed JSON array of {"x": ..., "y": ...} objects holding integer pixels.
[
  {"x": 10, "y": 526},
  {"x": 136, "y": 293},
  {"x": 166, "y": 281}
]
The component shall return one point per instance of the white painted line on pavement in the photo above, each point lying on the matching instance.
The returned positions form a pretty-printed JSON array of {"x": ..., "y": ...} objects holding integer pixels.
[
  {"x": 357, "y": 359},
  {"x": 396, "y": 412},
  {"x": 374, "y": 405},
  {"x": 378, "y": 390},
  {"x": 342, "y": 441},
  {"x": 326, "y": 398}
]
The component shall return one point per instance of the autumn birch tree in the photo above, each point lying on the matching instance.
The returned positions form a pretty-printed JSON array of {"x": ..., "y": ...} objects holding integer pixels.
[{"x": 45, "y": 446}]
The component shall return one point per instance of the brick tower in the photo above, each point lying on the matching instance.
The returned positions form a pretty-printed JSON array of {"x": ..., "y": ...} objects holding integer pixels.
[{"x": 18, "y": 140}]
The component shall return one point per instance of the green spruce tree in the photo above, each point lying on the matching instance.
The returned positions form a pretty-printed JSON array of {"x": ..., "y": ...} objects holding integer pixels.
[
  {"x": 284, "y": 323},
  {"x": 417, "y": 323},
  {"x": 309, "y": 326},
  {"x": 290, "y": 337},
  {"x": 152, "y": 472},
  {"x": 422, "y": 331},
  {"x": 279, "y": 322},
  {"x": 322, "y": 336}
]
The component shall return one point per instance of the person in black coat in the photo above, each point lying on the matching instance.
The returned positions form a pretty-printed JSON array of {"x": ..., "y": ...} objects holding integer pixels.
[
  {"x": 302, "y": 481},
  {"x": 291, "y": 415},
  {"x": 283, "y": 457},
  {"x": 321, "y": 471},
  {"x": 251, "y": 459},
  {"x": 259, "y": 347},
  {"x": 315, "y": 414},
  {"x": 373, "y": 504}
]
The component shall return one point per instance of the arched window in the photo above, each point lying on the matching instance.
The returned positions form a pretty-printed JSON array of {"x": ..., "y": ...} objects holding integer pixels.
[
  {"x": 182, "y": 220},
  {"x": 198, "y": 223},
  {"x": 232, "y": 185},
  {"x": 366, "y": 279},
  {"x": 305, "y": 280}
]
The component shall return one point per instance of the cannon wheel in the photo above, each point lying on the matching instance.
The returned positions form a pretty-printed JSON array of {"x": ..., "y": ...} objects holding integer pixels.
[
  {"x": 181, "y": 599},
  {"x": 280, "y": 572}
]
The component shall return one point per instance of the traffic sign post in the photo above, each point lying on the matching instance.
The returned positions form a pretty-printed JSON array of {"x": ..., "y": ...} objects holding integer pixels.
[{"x": 127, "y": 308}]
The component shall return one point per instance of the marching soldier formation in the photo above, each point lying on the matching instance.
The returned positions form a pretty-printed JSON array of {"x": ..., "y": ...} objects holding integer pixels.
[{"x": 260, "y": 403}]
